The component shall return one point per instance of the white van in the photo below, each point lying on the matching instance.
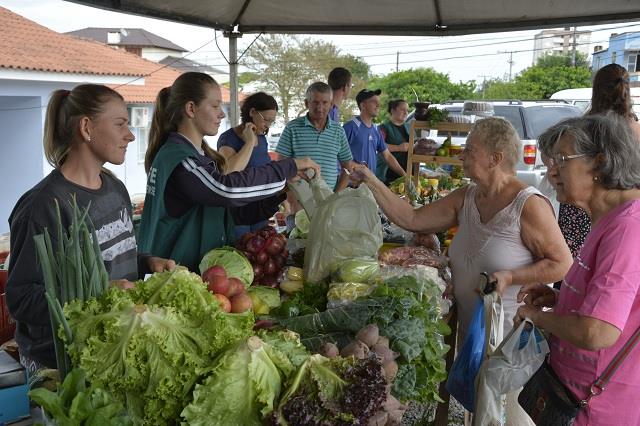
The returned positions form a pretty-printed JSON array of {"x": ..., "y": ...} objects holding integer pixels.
[{"x": 582, "y": 97}]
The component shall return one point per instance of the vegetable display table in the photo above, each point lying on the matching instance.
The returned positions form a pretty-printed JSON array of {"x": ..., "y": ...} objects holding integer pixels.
[{"x": 442, "y": 410}]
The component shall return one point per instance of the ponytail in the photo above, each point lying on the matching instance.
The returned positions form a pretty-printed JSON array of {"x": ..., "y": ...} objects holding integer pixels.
[
  {"x": 215, "y": 156},
  {"x": 169, "y": 113},
  {"x": 64, "y": 112},
  {"x": 611, "y": 92},
  {"x": 160, "y": 128}
]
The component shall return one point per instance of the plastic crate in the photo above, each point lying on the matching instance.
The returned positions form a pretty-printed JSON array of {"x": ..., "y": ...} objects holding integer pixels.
[{"x": 7, "y": 325}]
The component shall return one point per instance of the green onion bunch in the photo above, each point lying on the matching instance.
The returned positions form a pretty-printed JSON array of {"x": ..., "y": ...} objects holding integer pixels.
[{"x": 73, "y": 269}]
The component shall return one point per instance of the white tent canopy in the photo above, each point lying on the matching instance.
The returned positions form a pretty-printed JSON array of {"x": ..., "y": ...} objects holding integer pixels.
[{"x": 373, "y": 17}]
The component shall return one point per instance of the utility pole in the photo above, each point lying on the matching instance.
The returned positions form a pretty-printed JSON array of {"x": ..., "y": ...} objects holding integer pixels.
[
  {"x": 484, "y": 83},
  {"x": 510, "y": 61},
  {"x": 573, "y": 50},
  {"x": 397, "y": 60}
]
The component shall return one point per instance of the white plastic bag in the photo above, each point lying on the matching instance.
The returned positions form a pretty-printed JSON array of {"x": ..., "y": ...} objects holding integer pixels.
[
  {"x": 490, "y": 405},
  {"x": 503, "y": 374},
  {"x": 517, "y": 359},
  {"x": 345, "y": 225}
]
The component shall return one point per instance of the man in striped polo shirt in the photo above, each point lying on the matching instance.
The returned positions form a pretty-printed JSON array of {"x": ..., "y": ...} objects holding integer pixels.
[{"x": 315, "y": 136}]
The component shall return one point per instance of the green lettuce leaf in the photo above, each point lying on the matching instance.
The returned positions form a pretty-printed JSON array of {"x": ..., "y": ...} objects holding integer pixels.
[{"x": 241, "y": 390}]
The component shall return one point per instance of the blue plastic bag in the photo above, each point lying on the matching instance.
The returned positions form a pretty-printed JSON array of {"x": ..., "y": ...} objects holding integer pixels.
[{"x": 462, "y": 377}]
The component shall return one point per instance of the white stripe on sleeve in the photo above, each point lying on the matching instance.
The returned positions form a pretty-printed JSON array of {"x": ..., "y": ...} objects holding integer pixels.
[{"x": 231, "y": 192}]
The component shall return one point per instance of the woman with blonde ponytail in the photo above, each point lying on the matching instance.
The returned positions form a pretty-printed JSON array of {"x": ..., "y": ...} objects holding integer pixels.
[
  {"x": 84, "y": 129},
  {"x": 191, "y": 204}
]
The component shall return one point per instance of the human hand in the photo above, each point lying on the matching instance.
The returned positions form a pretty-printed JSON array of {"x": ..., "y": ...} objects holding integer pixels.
[
  {"x": 121, "y": 284},
  {"x": 360, "y": 173},
  {"x": 526, "y": 311},
  {"x": 537, "y": 295},
  {"x": 159, "y": 264},
  {"x": 249, "y": 134},
  {"x": 448, "y": 292},
  {"x": 404, "y": 146},
  {"x": 304, "y": 164},
  {"x": 503, "y": 280}
]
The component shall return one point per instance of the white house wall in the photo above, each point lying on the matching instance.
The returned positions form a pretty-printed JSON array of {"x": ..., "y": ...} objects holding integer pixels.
[
  {"x": 21, "y": 160},
  {"x": 156, "y": 54},
  {"x": 22, "y": 164}
]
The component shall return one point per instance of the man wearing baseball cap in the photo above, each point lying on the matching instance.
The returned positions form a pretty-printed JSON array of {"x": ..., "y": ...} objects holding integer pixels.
[{"x": 365, "y": 140}]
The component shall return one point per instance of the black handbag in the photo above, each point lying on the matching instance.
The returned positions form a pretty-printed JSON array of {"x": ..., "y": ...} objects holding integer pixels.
[{"x": 548, "y": 402}]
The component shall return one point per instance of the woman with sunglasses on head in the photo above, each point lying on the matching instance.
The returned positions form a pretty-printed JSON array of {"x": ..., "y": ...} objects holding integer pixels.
[
  {"x": 193, "y": 200},
  {"x": 246, "y": 145}
]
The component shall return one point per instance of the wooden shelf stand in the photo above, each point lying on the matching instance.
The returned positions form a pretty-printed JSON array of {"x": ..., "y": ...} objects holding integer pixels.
[{"x": 418, "y": 159}]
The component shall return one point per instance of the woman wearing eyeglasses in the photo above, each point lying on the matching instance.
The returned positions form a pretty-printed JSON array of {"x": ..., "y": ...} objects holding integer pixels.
[
  {"x": 257, "y": 115},
  {"x": 595, "y": 165},
  {"x": 246, "y": 145},
  {"x": 193, "y": 201}
]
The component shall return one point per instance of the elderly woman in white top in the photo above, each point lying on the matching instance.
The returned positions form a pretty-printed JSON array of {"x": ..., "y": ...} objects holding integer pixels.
[{"x": 504, "y": 227}]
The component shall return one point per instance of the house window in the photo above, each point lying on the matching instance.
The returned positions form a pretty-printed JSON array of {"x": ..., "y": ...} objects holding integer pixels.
[
  {"x": 633, "y": 62},
  {"x": 142, "y": 138},
  {"x": 139, "y": 122},
  {"x": 135, "y": 50}
]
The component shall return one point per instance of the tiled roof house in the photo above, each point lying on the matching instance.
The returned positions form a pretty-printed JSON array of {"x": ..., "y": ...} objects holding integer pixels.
[{"x": 34, "y": 61}]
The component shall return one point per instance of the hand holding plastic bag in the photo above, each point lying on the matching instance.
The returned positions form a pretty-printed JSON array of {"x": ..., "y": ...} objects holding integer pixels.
[
  {"x": 517, "y": 358},
  {"x": 460, "y": 383},
  {"x": 345, "y": 225}
]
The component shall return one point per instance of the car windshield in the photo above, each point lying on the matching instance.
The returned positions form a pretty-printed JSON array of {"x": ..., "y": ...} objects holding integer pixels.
[{"x": 540, "y": 118}]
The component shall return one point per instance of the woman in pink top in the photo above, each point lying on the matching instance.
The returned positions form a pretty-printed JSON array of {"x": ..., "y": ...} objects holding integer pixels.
[{"x": 596, "y": 166}]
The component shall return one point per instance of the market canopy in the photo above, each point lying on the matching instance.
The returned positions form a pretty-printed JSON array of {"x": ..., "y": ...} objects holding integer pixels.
[{"x": 383, "y": 17}]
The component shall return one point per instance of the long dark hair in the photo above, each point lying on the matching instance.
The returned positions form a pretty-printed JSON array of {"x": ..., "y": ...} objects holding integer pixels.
[
  {"x": 169, "y": 113},
  {"x": 64, "y": 112},
  {"x": 611, "y": 92},
  {"x": 260, "y": 102}
]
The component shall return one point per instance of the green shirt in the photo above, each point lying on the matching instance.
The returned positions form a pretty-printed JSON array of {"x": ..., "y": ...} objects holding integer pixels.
[
  {"x": 187, "y": 238},
  {"x": 393, "y": 135},
  {"x": 327, "y": 147}
]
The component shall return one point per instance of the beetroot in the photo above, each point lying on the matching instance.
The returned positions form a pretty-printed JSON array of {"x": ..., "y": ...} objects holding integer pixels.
[
  {"x": 261, "y": 257},
  {"x": 274, "y": 246},
  {"x": 270, "y": 267},
  {"x": 255, "y": 244},
  {"x": 258, "y": 271},
  {"x": 269, "y": 281},
  {"x": 280, "y": 261}
]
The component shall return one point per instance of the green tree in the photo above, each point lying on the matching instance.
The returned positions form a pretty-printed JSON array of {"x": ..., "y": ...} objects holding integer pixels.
[
  {"x": 552, "y": 60},
  {"x": 550, "y": 74},
  {"x": 285, "y": 65},
  {"x": 424, "y": 84}
]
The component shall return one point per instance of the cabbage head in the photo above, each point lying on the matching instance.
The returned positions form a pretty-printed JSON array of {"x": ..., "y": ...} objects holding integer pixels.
[{"x": 233, "y": 261}]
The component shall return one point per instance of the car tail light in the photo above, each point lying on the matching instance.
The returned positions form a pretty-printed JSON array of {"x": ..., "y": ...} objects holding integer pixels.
[{"x": 529, "y": 156}]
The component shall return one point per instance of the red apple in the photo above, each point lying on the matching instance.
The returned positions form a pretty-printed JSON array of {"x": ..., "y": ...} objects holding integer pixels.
[
  {"x": 218, "y": 284},
  {"x": 241, "y": 303},
  {"x": 235, "y": 287},
  {"x": 214, "y": 270},
  {"x": 225, "y": 304}
]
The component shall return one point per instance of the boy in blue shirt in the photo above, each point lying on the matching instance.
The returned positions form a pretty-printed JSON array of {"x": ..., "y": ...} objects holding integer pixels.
[{"x": 365, "y": 140}]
